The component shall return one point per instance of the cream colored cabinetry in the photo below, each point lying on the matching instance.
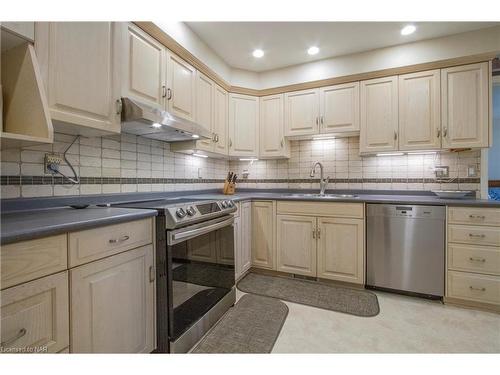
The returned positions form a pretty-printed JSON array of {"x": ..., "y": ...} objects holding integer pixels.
[
  {"x": 263, "y": 234},
  {"x": 123, "y": 323},
  {"x": 220, "y": 120},
  {"x": 143, "y": 67},
  {"x": 35, "y": 316},
  {"x": 243, "y": 125},
  {"x": 205, "y": 106},
  {"x": 473, "y": 256},
  {"x": 271, "y": 128},
  {"x": 339, "y": 108},
  {"x": 296, "y": 244},
  {"x": 181, "y": 87},
  {"x": 302, "y": 113},
  {"x": 243, "y": 239},
  {"x": 324, "y": 240},
  {"x": 379, "y": 115},
  {"x": 420, "y": 111},
  {"x": 465, "y": 109},
  {"x": 80, "y": 64}
]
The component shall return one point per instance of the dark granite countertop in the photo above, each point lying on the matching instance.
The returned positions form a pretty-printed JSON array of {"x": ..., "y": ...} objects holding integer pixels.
[{"x": 26, "y": 225}]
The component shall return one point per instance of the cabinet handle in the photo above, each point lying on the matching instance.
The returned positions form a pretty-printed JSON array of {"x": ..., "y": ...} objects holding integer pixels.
[
  {"x": 480, "y": 217},
  {"x": 438, "y": 133},
  {"x": 445, "y": 132},
  {"x": 477, "y": 289},
  {"x": 472, "y": 235},
  {"x": 395, "y": 135},
  {"x": 282, "y": 143},
  {"x": 319, "y": 233},
  {"x": 19, "y": 334},
  {"x": 314, "y": 233},
  {"x": 152, "y": 274},
  {"x": 119, "y": 106},
  {"x": 321, "y": 119},
  {"x": 169, "y": 94},
  {"x": 482, "y": 260},
  {"x": 317, "y": 120},
  {"x": 118, "y": 240},
  {"x": 164, "y": 91},
  {"x": 230, "y": 143},
  {"x": 216, "y": 137}
]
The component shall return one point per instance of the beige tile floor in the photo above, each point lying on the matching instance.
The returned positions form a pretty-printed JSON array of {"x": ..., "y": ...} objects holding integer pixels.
[{"x": 404, "y": 325}]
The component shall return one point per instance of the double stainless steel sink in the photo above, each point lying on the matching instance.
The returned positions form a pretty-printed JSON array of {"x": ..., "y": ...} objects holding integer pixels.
[{"x": 326, "y": 196}]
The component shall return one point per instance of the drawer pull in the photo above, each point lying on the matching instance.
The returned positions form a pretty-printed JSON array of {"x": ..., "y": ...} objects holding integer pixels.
[
  {"x": 151, "y": 274},
  {"x": 118, "y": 240},
  {"x": 20, "y": 334},
  {"x": 477, "y": 289},
  {"x": 479, "y": 217},
  {"x": 472, "y": 235},
  {"x": 482, "y": 260}
]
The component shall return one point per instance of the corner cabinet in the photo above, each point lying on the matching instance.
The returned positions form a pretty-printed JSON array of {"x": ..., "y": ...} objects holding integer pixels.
[
  {"x": 379, "y": 115},
  {"x": 271, "y": 128},
  {"x": 80, "y": 65},
  {"x": 465, "y": 105},
  {"x": 243, "y": 125}
]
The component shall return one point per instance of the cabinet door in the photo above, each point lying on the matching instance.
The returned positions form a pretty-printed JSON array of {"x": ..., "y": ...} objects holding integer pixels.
[
  {"x": 112, "y": 304},
  {"x": 271, "y": 127},
  {"x": 379, "y": 115},
  {"x": 246, "y": 236},
  {"x": 341, "y": 249},
  {"x": 36, "y": 315},
  {"x": 181, "y": 83},
  {"x": 220, "y": 120},
  {"x": 296, "y": 248},
  {"x": 302, "y": 112},
  {"x": 339, "y": 108},
  {"x": 243, "y": 125},
  {"x": 238, "y": 263},
  {"x": 80, "y": 62},
  {"x": 205, "y": 108},
  {"x": 144, "y": 67},
  {"x": 263, "y": 249},
  {"x": 420, "y": 111},
  {"x": 464, "y": 105}
]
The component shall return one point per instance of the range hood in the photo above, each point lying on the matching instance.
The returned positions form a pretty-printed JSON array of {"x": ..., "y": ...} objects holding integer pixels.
[{"x": 150, "y": 122}]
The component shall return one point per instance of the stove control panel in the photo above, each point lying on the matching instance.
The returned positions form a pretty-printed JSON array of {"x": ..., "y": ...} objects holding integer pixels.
[{"x": 193, "y": 212}]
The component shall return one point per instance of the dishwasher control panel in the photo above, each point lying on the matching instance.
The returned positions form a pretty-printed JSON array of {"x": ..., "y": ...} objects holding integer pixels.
[{"x": 408, "y": 211}]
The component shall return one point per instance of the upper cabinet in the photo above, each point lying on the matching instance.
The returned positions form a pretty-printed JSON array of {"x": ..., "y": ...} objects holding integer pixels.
[
  {"x": 465, "y": 105},
  {"x": 339, "y": 108},
  {"x": 271, "y": 127},
  {"x": 143, "y": 67},
  {"x": 205, "y": 105},
  {"x": 302, "y": 112},
  {"x": 420, "y": 111},
  {"x": 181, "y": 88},
  {"x": 379, "y": 115},
  {"x": 80, "y": 65},
  {"x": 220, "y": 120},
  {"x": 243, "y": 125}
]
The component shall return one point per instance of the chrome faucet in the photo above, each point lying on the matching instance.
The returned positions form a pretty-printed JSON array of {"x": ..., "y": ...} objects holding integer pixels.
[{"x": 323, "y": 182}]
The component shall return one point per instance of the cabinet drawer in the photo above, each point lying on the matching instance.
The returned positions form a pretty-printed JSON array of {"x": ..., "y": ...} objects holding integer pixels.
[
  {"x": 474, "y": 216},
  {"x": 336, "y": 209},
  {"x": 35, "y": 315},
  {"x": 481, "y": 259},
  {"x": 473, "y": 287},
  {"x": 29, "y": 260},
  {"x": 474, "y": 235},
  {"x": 89, "y": 245}
]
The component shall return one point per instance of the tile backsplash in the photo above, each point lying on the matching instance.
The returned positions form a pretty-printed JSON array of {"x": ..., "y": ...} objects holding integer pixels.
[{"x": 127, "y": 163}]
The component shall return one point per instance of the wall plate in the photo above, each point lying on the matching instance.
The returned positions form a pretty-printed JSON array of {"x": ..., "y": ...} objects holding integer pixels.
[
  {"x": 52, "y": 159},
  {"x": 442, "y": 171}
]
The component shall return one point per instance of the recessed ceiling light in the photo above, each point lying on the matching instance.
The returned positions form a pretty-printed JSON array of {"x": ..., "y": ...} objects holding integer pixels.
[
  {"x": 258, "y": 53},
  {"x": 313, "y": 50},
  {"x": 408, "y": 29}
]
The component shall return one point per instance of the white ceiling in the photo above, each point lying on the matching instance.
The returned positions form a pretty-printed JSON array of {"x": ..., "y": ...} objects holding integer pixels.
[{"x": 286, "y": 43}]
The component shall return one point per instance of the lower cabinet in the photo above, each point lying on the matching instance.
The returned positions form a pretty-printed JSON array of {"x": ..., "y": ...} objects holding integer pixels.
[
  {"x": 341, "y": 249},
  {"x": 112, "y": 304},
  {"x": 263, "y": 231},
  {"x": 296, "y": 244},
  {"x": 243, "y": 239},
  {"x": 35, "y": 316}
]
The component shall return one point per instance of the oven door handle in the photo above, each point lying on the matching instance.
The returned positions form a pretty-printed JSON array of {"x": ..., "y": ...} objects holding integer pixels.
[{"x": 188, "y": 234}]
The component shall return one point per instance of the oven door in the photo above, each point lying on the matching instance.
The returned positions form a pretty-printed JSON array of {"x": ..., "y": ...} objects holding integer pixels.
[{"x": 202, "y": 271}]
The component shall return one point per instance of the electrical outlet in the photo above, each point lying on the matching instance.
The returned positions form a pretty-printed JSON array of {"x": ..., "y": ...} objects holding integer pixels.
[
  {"x": 442, "y": 171},
  {"x": 53, "y": 160},
  {"x": 471, "y": 171}
]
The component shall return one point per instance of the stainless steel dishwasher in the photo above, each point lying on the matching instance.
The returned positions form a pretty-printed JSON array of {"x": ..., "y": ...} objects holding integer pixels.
[{"x": 405, "y": 248}]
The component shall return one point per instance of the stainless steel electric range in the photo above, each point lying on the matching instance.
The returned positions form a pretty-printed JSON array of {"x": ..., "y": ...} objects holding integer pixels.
[{"x": 194, "y": 268}]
